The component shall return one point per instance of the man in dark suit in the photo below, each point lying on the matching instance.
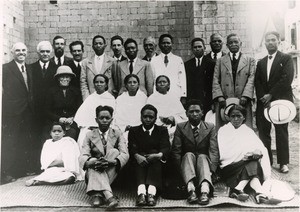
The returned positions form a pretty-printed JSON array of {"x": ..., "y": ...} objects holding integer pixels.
[
  {"x": 196, "y": 75},
  {"x": 116, "y": 44},
  {"x": 17, "y": 117},
  {"x": 274, "y": 76},
  {"x": 59, "y": 58},
  {"x": 149, "y": 45},
  {"x": 77, "y": 50},
  {"x": 195, "y": 153},
  {"x": 149, "y": 145},
  {"x": 216, "y": 45}
]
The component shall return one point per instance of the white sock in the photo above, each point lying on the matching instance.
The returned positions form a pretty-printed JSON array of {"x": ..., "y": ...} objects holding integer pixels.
[
  {"x": 205, "y": 187},
  {"x": 141, "y": 189},
  {"x": 190, "y": 186},
  {"x": 151, "y": 189}
]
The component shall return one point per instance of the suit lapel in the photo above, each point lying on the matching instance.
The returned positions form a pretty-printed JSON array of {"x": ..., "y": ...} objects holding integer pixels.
[
  {"x": 91, "y": 64},
  {"x": 275, "y": 64},
  {"x": 138, "y": 66},
  {"x": 106, "y": 64},
  {"x": 203, "y": 132},
  {"x": 124, "y": 67},
  {"x": 188, "y": 132},
  {"x": 97, "y": 141},
  {"x": 227, "y": 63},
  {"x": 15, "y": 69},
  {"x": 264, "y": 62},
  {"x": 111, "y": 139},
  {"x": 242, "y": 63}
]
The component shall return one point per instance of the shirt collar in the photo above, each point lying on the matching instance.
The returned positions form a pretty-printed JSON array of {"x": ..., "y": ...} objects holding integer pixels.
[
  {"x": 273, "y": 55},
  {"x": 100, "y": 57},
  {"x": 42, "y": 64},
  {"x": 105, "y": 133},
  {"x": 236, "y": 55},
  {"x": 76, "y": 63},
  {"x": 196, "y": 59},
  {"x": 198, "y": 126},
  {"x": 219, "y": 54},
  {"x": 20, "y": 65},
  {"x": 117, "y": 58},
  {"x": 150, "y": 131},
  {"x": 62, "y": 58},
  {"x": 134, "y": 60}
]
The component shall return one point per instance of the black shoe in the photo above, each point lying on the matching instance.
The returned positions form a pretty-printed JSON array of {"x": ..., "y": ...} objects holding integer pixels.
[
  {"x": 238, "y": 194},
  {"x": 203, "y": 198},
  {"x": 141, "y": 200},
  {"x": 151, "y": 200},
  {"x": 97, "y": 201},
  {"x": 192, "y": 199},
  {"x": 112, "y": 202}
]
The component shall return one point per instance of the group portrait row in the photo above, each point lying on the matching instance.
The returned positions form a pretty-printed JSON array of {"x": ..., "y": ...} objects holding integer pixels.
[{"x": 102, "y": 117}]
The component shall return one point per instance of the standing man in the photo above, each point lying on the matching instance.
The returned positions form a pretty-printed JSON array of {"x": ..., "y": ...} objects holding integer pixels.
[
  {"x": 18, "y": 138},
  {"x": 116, "y": 44},
  {"x": 195, "y": 153},
  {"x": 100, "y": 63},
  {"x": 274, "y": 76},
  {"x": 133, "y": 65},
  {"x": 170, "y": 65},
  {"x": 149, "y": 146},
  {"x": 216, "y": 45},
  {"x": 234, "y": 77},
  {"x": 149, "y": 45},
  {"x": 59, "y": 58},
  {"x": 196, "y": 75},
  {"x": 77, "y": 50}
]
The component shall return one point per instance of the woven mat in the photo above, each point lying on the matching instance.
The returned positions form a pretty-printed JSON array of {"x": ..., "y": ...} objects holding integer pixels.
[{"x": 16, "y": 194}]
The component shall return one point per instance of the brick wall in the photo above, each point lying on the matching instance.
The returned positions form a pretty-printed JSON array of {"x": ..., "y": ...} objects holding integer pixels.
[{"x": 13, "y": 26}]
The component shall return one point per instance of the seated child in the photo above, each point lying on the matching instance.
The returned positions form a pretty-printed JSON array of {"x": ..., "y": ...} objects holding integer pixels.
[{"x": 59, "y": 159}]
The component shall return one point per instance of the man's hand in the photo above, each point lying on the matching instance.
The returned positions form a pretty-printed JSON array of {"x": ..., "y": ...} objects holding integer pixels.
[
  {"x": 112, "y": 162},
  {"x": 222, "y": 102},
  {"x": 243, "y": 101},
  {"x": 69, "y": 120},
  {"x": 97, "y": 164},
  {"x": 266, "y": 99},
  {"x": 62, "y": 120},
  {"x": 141, "y": 160},
  {"x": 153, "y": 157}
]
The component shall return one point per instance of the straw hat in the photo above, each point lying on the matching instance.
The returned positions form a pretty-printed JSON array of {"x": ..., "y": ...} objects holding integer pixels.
[
  {"x": 229, "y": 103},
  {"x": 280, "y": 112},
  {"x": 64, "y": 70},
  {"x": 210, "y": 117}
]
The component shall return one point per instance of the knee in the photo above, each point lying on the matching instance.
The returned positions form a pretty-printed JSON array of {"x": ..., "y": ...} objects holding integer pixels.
[
  {"x": 189, "y": 155},
  {"x": 112, "y": 154},
  {"x": 202, "y": 157}
]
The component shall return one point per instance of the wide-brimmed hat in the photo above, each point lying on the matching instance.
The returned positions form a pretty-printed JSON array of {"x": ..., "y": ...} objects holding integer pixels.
[
  {"x": 280, "y": 112},
  {"x": 64, "y": 70},
  {"x": 210, "y": 117},
  {"x": 229, "y": 103}
]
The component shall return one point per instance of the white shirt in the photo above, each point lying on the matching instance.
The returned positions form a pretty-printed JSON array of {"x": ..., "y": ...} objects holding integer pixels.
[
  {"x": 134, "y": 61},
  {"x": 42, "y": 64},
  {"x": 117, "y": 58},
  {"x": 62, "y": 59},
  {"x": 76, "y": 63},
  {"x": 105, "y": 134},
  {"x": 196, "y": 60},
  {"x": 219, "y": 55},
  {"x": 236, "y": 55},
  {"x": 99, "y": 62},
  {"x": 150, "y": 131},
  {"x": 269, "y": 64},
  {"x": 20, "y": 65}
]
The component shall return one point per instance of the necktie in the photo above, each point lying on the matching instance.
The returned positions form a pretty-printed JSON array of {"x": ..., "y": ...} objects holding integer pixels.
[
  {"x": 166, "y": 61},
  {"x": 104, "y": 142},
  {"x": 196, "y": 132},
  {"x": 147, "y": 132},
  {"x": 44, "y": 69},
  {"x": 215, "y": 56},
  {"x": 198, "y": 62},
  {"x": 24, "y": 76},
  {"x": 58, "y": 61},
  {"x": 233, "y": 57},
  {"x": 270, "y": 57},
  {"x": 131, "y": 66}
]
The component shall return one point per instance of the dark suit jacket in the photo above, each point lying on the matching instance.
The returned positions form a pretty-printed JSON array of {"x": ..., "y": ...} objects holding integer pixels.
[
  {"x": 77, "y": 71},
  {"x": 58, "y": 106},
  {"x": 15, "y": 96},
  {"x": 280, "y": 78},
  {"x": 206, "y": 143},
  {"x": 139, "y": 142},
  {"x": 66, "y": 60}
]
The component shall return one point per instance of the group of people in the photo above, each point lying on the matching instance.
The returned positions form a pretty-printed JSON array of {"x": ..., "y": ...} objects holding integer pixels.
[{"x": 149, "y": 111}]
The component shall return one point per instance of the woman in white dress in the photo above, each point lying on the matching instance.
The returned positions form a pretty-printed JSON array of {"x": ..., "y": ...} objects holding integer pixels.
[
  {"x": 129, "y": 104},
  {"x": 170, "y": 110}
]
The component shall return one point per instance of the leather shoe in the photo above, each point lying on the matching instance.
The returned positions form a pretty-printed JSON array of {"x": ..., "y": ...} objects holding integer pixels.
[
  {"x": 97, "y": 201},
  {"x": 151, "y": 201},
  {"x": 141, "y": 200},
  {"x": 284, "y": 169},
  {"x": 262, "y": 198},
  {"x": 112, "y": 202},
  {"x": 203, "y": 198},
  {"x": 238, "y": 194},
  {"x": 192, "y": 199}
]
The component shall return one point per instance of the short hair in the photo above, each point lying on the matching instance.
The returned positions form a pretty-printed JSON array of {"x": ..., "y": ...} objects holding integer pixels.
[
  {"x": 57, "y": 123},
  {"x": 194, "y": 102},
  {"x": 130, "y": 40},
  {"x": 18, "y": 43},
  {"x": 152, "y": 39},
  {"x": 160, "y": 76},
  {"x": 58, "y": 37},
  {"x": 99, "y": 36},
  {"x": 43, "y": 43},
  {"x": 232, "y": 35},
  {"x": 105, "y": 79},
  {"x": 239, "y": 108},
  {"x": 197, "y": 39},
  {"x": 116, "y": 37},
  {"x": 273, "y": 33},
  {"x": 104, "y": 108},
  {"x": 74, "y": 43},
  {"x": 149, "y": 107},
  {"x": 165, "y": 36},
  {"x": 214, "y": 34},
  {"x": 126, "y": 79}
]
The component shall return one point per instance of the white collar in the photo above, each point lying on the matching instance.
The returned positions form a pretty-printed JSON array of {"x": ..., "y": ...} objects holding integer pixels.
[
  {"x": 76, "y": 63},
  {"x": 105, "y": 133},
  {"x": 20, "y": 65},
  {"x": 62, "y": 58},
  {"x": 42, "y": 64},
  {"x": 150, "y": 131},
  {"x": 219, "y": 54},
  {"x": 117, "y": 58},
  {"x": 236, "y": 55},
  {"x": 134, "y": 60},
  {"x": 273, "y": 55}
]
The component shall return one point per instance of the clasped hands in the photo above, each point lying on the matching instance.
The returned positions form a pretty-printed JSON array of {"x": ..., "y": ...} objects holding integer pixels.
[
  {"x": 67, "y": 121},
  {"x": 255, "y": 155},
  {"x": 100, "y": 164},
  {"x": 144, "y": 160}
]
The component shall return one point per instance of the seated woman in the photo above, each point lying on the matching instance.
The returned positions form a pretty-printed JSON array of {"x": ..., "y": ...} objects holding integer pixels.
[
  {"x": 62, "y": 102},
  {"x": 244, "y": 159},
  {"x": 59, "y": 159},
  {"x": 104, "y": 153},
  {"x": 85, "y": 117},
  {"x": 129, "y": 104},
  {"x": 169, "y": 107}
]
